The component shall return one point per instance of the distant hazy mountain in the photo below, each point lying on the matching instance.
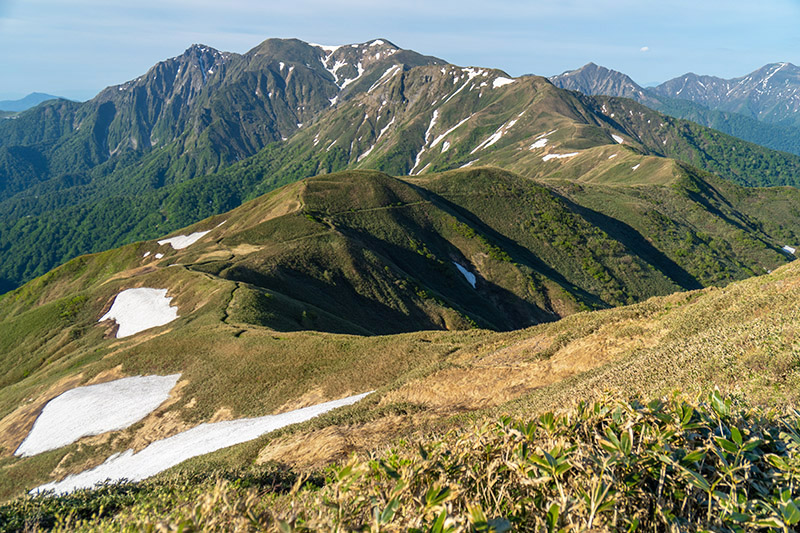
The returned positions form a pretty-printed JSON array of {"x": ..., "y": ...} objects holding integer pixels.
[
  {"x": 761, "y": 108},
  {"x": 28, "y": 102},
  {"x": 770, "y": 94}
]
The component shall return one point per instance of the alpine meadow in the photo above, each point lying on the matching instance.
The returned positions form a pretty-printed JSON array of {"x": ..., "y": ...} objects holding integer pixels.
[{"x": 359, "y": 288}]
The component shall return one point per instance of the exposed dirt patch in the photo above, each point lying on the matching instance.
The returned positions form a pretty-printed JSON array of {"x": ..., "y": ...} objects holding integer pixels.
[
  {"x": 318, "y": 449},
  {"x": 216, "y": 255},
  {"x": 312, "y": 397},
  {"x": 511, "y": 371},
  {"x": 132, "y": 272},
  {"x": 245, "y": 249}
]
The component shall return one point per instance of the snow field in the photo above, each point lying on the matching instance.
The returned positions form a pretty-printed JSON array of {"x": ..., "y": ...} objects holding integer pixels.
[
  {"x": 95, "y": 409},
  {"x": 496, "y": 136},
  {"x": 541, "y": 143},
  {"x": 139, "y": 309},
  {"x": 469, "y": 276},
  {"x": 548, "y": 157},
  {"x": 182, "y": 241},
  {"x": 200, "y": 440},
  {"x": 501, "y": 81}
]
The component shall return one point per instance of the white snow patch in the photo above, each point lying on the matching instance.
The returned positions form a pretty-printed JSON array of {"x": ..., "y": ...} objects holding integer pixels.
[
  {"x": 457, "y": 90},
  {"x": 200, "y": 440},
  {"x": 139, "y": 309},
  {"x": 438, "y": 139},
  {"x": 386, "y": 76},
  {"x": 548, "y": 134},
  {"x": 470, "y": 277},
  {"x": 327, "y": 48},
  {"x": 281, "y": 65},
  {"x": 548, "y": 157},
  {"x": 333, "y": 100},
  {"x": 376, "y": 42},
  {"x": 789, "y": 249},
  {"x": 146, "y": 254},
  {"x": 360, "y": 72},
  {"x": 501, "y": 81},
  {"x": 473, "y": 73},
  {"x": 385, "y": 128},
  {"x": 496, "y": 136},
  {"x": 434, "y": 117},
  {"x": 158, "y": 255},
  {"x": 365, "y": 154},
  {"x": 445, "y": 146},
  {"x": 636, "y": 166},
  {"x": 617, "y": 138},
  {"x": 468, "y": 164},
  {"x": 541, "y": 143},
  {"x": 95, "y": 409},
  {"x": 612, "y": 156},
  {"x": 182, "y": 241}
]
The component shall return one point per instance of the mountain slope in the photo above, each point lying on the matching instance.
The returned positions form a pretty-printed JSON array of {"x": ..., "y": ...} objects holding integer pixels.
[
  {"x": 232, "y": 334},
  {"x": 595, "y": 80}
]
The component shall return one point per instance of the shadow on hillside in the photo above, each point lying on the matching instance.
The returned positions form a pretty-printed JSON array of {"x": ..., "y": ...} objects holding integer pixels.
[
  {"x": 370, "y": 282},
  {"x": 636, "y": 244},
  {"x": 516, "y": 251}
]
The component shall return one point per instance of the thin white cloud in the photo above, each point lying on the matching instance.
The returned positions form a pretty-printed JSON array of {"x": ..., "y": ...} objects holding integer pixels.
[{"x": 644, "y": 49}]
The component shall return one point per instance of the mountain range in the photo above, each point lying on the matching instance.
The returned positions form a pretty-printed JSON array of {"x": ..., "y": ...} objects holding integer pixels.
[
  {"x": 148, "y": 156},
  {"x": 202, "y": 263},
  {"x": 761, "y": 107}
]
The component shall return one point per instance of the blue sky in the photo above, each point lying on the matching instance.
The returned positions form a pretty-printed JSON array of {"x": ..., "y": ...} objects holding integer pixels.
[{"x": 75, "y": 48}]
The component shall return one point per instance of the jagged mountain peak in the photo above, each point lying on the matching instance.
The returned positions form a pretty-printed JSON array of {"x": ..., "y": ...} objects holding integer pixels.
[
  {"x": 595, "y": 79},
  {"x": 770, "y": 93}
]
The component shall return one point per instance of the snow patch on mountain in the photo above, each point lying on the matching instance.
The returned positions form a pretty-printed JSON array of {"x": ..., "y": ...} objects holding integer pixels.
[
  {"x": 351, "y": 80},
  {"x": 200, "y": 440},
  {"x": 327, "y": 48},
  {"x": 617, "y": 138},
  {"x": 386, "y": 76},
  {"x": 541, "y": 143},
  {"x": 501, "y": 81},
  {"x": 548, "y": 157},
  {"x": 182, "y": 241},
  {"x": 496, "y": 136},
  {"x": 439, "y": 139},
  {"x": 95, "y": 409},
  {"x": 139, "y": 309},
  {"x": 432, "y": 123},
  {"x": 469, "y": 276}
]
